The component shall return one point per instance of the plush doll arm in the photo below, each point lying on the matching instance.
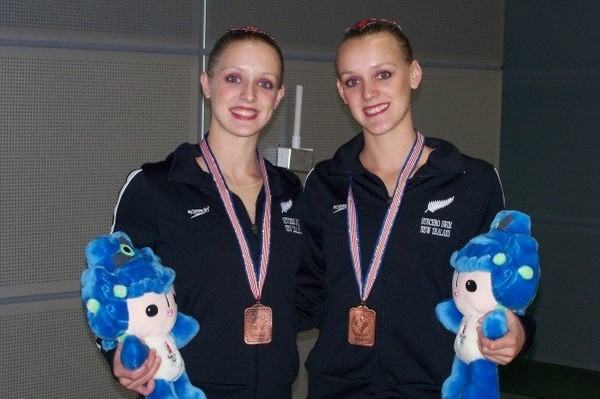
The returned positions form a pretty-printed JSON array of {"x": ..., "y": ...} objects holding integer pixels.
[
  {"x": 495, "y": 324},
  {"x": 185, "y": 328},
  {"x": 449, "y": 315},
  {"x": 134, "y": 352}
]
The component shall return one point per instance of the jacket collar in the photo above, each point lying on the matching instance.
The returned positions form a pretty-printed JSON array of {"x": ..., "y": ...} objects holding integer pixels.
[
  {"x": 183, "y": 168},
  {"x": 446, "y": 159}
]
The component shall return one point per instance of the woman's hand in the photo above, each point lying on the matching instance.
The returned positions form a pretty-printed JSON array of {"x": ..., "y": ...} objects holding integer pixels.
[
  {"x": 504, "y": 349},
  {"x": 139, "y": 380}
]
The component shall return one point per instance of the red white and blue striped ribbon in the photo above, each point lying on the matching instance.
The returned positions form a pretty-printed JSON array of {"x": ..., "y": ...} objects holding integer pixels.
[
  {"x": 256, "y": 282},
  {"x": 384, "y": 233}
]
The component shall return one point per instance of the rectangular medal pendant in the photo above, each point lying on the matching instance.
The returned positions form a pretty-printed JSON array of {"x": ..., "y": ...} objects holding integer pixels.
[
  {"x": 361, "y": 326},
  {"x": 258, "y": 325}
]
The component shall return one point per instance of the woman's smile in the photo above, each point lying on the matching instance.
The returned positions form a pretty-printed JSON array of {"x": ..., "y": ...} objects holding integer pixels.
[
  {"x": 244, "y": 113},
  {"x": 376, "y": 109}
]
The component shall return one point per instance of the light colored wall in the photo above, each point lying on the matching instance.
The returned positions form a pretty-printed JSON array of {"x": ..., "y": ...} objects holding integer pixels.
[{"x": 91, "y": 90}]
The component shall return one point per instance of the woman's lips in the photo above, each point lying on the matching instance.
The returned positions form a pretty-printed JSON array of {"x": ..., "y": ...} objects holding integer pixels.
[
  {"x": 376, "y": 109},
  {"x": 244, "y": 113}
]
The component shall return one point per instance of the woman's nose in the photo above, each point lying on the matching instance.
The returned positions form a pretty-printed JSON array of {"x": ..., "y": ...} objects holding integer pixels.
[
  {"x": 249, "y": 92},
  {"x": 369, "y": 91}
]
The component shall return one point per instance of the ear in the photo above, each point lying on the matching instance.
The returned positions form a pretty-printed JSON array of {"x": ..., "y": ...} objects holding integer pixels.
[
  {"x": 340, "y": 88},
  {"x": 204, "y": 82},
  {"x": 416, "y": 73},
  {"x": 280, "y": 94}
]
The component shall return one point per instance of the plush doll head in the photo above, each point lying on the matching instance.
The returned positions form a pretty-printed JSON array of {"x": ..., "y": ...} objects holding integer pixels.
[
  {"x": 507, "y": 258},
  {"x": 120, "y": 280}
]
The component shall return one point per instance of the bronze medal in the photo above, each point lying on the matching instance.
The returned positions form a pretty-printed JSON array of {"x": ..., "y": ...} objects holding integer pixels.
[
  {"x": 361, "y": 326},
  {"x": 258, "y": 325}
]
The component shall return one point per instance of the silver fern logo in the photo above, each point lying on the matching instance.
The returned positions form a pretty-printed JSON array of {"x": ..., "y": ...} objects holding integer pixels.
[
  {"x": 439, "y": 204},
  {"x": 286, "y": 206}
]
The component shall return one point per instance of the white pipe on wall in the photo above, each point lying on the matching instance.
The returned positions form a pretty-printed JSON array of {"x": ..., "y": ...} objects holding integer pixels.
[{"x": 297, "y": 118}]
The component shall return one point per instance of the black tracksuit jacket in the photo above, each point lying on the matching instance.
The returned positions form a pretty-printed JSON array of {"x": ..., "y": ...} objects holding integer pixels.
[
  {"x": 174, "y": 207},
  {"x": 449, "y": 200}
]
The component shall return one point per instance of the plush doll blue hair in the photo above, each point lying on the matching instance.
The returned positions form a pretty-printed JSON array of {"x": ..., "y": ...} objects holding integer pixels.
[
  {"x": 494, "y": 272},
  {"x": 128, "y": 297}
]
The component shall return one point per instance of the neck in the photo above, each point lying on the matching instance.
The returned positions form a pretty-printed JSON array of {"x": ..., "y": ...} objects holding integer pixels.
[
  {"x": 236, "y": 157},
  {"x": 386, "y": 153},
  {"x": 385, "y": 156}
]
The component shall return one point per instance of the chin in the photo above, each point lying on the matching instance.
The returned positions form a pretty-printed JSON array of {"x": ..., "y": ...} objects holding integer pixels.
[
  {"x": 242, "y": 133},
  {"x": 377, "y": 132}
]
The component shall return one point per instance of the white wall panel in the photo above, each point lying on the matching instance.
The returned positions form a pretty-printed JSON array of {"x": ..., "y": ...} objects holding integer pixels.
[
  {"x": 462, "y": 106},
  {"x": 73, "y": 124},
  {"x": 111, "y": 22},
  {"x": 48, "y": 352}
]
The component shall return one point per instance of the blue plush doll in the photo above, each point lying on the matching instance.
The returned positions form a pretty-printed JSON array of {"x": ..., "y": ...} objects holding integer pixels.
[
  {"x": 128, "y": 297},
  {"x": 494, "y": 272}
]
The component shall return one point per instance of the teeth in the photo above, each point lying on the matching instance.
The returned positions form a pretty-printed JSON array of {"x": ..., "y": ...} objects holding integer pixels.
[
  {"x": 244, "y": 112},
  {"x": 374, "y": 110}
]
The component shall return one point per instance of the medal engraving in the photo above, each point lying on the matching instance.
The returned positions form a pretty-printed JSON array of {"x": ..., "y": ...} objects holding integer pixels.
[
  {"x": 361, "y": 326},
  {"x": 258, "y": 325}
]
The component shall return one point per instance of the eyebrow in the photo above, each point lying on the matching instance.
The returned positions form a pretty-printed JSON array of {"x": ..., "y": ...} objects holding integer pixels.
[
  {"x": 274, "y": 75},
  {"x": 377, "y": 66}
]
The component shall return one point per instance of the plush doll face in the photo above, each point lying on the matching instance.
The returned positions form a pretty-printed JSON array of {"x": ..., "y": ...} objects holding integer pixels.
[
  {"x": 152, "y": 315},
  {"x": 473, "y": 292}
]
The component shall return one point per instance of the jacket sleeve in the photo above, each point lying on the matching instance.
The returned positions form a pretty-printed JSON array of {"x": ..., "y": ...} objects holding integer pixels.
[
  {"x": 495, "y": 201},
  {"x": 133, "y": 215},
  {"x": 311, "y": 294},
  {"x": 530, "y": 327},
  {"x": 135, "y": 211}
]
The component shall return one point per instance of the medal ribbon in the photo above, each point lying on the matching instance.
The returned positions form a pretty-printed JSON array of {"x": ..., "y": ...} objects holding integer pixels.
[
  {"x": 384, "y": 233},
  {"x": 256, "y": 282}
]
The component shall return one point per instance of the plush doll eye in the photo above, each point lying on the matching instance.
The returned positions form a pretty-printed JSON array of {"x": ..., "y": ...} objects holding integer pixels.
[
  {"x": 124, "y": 255},
  {"x": 152, "y": 310},
  {"x": 126, "y": 250},
  {"x": 471, "y": 285}
]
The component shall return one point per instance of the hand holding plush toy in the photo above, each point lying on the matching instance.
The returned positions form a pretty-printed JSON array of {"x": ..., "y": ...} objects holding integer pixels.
[
  {"x": 129, "y": 298},
  {"x": 494, "y": 272}
]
